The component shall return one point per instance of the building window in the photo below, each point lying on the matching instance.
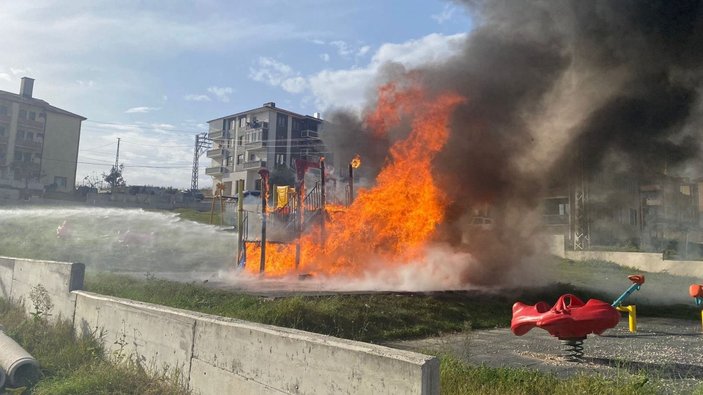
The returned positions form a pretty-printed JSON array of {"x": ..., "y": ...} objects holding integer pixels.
[
  {"x": 2, "y": 131},
  {"x": 633, "y": 216},
  {"x": 3, "y": 110},
  {"x": 252, "y": 157},
  {"x": 257, "y": 184},
  {"x": 280, "y": 159},
  {"x": 33, "y": 116},
  {"x": 20, "y": 135},
  {"x": 240, "y": 159},
  {"x": 23, "y": 114},
  {"x": 60, "y": 182},
  {"x": 29, "y": 136},
  {"x": 242, "y": 122}
]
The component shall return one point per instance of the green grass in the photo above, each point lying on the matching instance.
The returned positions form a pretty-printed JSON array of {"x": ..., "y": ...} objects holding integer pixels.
[
  {"x": 458, "y": 378},
  {"x": 71, "y": 365}
]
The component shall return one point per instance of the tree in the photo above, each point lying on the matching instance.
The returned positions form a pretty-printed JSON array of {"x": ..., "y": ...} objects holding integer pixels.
[
  {"x": 93, "y": 181},
  {"x": 114, "y": 177}
]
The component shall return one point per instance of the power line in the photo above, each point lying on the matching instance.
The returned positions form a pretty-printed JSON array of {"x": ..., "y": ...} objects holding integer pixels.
[{"x": 139, "y": 126}]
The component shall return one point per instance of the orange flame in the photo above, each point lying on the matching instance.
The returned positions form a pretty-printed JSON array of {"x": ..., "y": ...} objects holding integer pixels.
[
  {"x": 356, "y": 161},
  {"x": 393, "y": 221}
]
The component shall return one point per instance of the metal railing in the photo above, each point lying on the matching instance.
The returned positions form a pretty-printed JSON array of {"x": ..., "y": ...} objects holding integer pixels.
[{"x": 216, "y": 170}]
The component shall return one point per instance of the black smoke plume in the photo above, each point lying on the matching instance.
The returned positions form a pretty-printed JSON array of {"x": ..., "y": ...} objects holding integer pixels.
[{"x": 547, "y": 82}]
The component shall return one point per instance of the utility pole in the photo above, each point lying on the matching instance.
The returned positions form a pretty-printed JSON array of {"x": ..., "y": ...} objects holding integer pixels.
[
  {"x": 117, "y": 155},
  {"x": 202, "y": 144}
]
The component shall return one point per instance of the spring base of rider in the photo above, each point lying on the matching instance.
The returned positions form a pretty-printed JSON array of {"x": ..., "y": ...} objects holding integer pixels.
[{"x": 573, "y": 349}]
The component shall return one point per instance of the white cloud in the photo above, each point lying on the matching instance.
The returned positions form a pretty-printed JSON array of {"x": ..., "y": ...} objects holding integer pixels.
[
  {"x": 318, "y": 42},
  {"x": 196, "y": 97},
  {"x": 446, "y": 14},
  {"x": 349, "y": 87},
  {"x": 325, "y": 57},
  {"x": 294, "y": 85},
  {"x": 18, "y": 72},
  {"x": 270, "y": 71},
  {"x": 342, "y": 48},
  {"x": 221, "y": 93},
  {"x": 346, "y": 50},
  {"x": 5, "y": 76},
  {"x": 88, "y": 83},
  {"x": 142, "y": 109}
]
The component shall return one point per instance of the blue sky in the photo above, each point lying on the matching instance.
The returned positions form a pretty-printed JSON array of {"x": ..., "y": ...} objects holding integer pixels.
[{"x": 154, "y": 72}]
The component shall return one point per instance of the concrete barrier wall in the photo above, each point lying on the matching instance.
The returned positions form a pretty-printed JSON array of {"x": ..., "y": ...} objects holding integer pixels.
[
  {"x": 7, "y": 268},
  {"x": 266, "y": 359},
  {"x": 57, "y": 278},
  {"x": 226, "y": 356}
]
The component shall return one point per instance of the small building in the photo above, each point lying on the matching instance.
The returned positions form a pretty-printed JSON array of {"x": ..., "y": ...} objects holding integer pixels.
[
  {"x": 38, "y": 143},
  {"x": 265, "y": 137}
]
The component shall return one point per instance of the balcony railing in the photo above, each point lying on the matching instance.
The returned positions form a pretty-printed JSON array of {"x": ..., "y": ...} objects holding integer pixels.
[
  {"x": 216, "y": 171},
  {"x": 257, "y": 164},
  {"x": 218, "y": 134},
  {"x": 255, "y": 145},
  {"x": 256, "y": 126},
  {"x": 217, "y": 153},
  {"x": 309, "y": 134},
  {"x": 29, "y": 144},
  {"x": 28, "y": 123}
]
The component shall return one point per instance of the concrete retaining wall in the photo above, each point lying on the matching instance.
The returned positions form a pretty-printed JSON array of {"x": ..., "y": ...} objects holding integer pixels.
[
  {"x": 7, "y": 268},
  {"x": 216, "y": 355},
  {"x": 18, "y": 277},
  {"x": 259, "y": 357},
  {"x": 646, "y": 261},
  {"x": 226, "y": 356}
]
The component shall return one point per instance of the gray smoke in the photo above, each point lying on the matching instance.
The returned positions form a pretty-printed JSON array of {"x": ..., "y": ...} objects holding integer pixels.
[{"x": 607, "y": 88}]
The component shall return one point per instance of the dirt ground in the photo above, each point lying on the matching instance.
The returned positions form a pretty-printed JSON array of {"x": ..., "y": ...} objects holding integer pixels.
[{"x": 664, "y": 349}]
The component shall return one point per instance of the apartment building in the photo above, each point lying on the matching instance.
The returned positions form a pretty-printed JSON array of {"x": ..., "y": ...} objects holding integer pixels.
[
  {"x": 38, "y": 142},
  {"x": 265, "y": 137}
]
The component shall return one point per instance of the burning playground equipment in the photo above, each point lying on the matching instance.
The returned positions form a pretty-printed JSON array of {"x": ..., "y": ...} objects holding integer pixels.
[
  {"x": 570, "y": 319},
  {"x": 392, "y": 222}
]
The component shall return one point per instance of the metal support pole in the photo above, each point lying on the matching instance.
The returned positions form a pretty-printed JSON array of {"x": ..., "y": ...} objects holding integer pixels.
[
  {"x": 299, "y": 220},
  {"x": 351, "y": 184},
  {"x": 323, "y": 199},
  {"x": 264, "y": 200},
  {"x": 240, "y": 221}
]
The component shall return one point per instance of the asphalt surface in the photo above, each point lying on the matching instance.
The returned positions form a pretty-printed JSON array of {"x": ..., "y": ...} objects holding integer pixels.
[{"x": 669, "y": 351}]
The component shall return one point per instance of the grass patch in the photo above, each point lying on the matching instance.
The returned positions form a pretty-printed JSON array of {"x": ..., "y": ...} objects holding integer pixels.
[
  {"x": 457, "y": 378},
  {"x": 77, "y": 365}
]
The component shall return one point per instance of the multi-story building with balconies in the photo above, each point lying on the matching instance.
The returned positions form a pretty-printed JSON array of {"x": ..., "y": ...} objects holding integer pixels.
[
  {"x": 265, "y": 137},
  {"x": 38, "y": 142}
]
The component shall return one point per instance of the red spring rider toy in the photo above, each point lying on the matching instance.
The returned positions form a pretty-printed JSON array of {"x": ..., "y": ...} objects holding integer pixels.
[{"x": 570, "y": 319}]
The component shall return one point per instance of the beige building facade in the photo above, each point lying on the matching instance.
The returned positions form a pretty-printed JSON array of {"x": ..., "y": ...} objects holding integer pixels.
[
  {"x": 38, "y": 143},
  {"x": 265, "y": 137}
]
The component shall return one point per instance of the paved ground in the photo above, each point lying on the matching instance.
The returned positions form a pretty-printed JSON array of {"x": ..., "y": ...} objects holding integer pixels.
[{"x": 671, "y": 350}]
